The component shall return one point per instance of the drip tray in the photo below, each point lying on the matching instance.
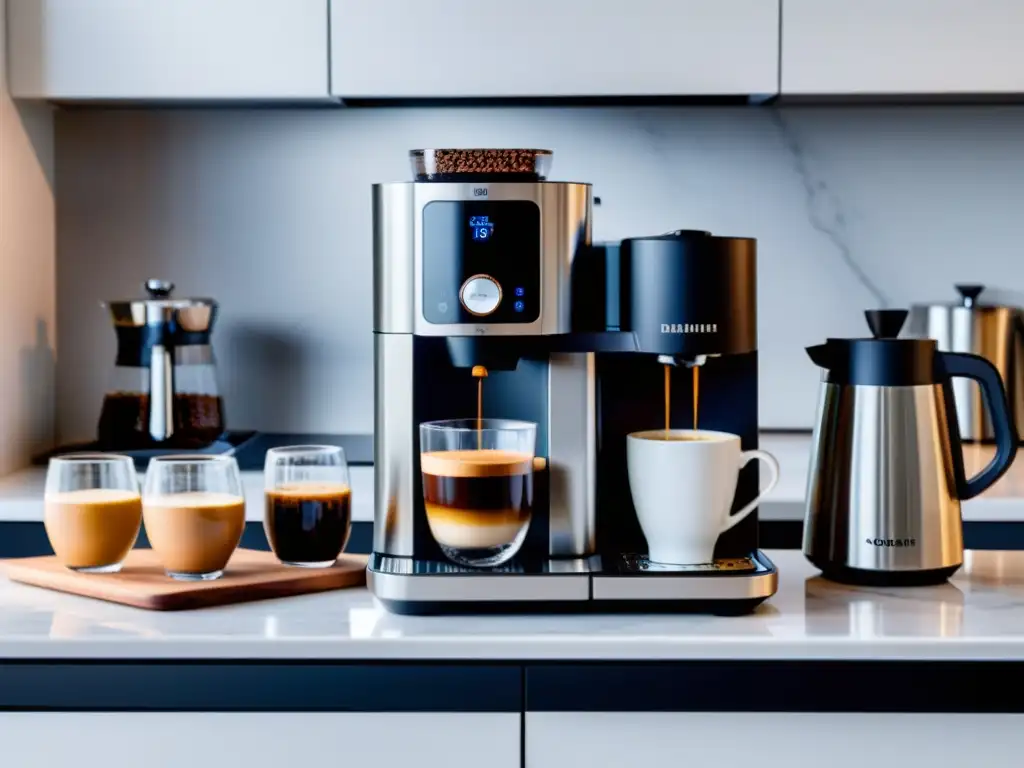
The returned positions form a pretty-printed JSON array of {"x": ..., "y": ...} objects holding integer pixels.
[
  {"x": 640, "y": 564},
  {"x": 634, "y": 577},
  {"x": 629, "y": 583}
]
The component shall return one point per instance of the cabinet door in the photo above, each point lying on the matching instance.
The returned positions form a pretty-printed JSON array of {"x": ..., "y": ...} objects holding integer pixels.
[
  {"x": 265, "y": 740},
  {"x": 781, "y": 739},
  {"x": 467, "y": 48},
  {"x": 168, "y": 49},
  {"x": 902, "y": 46}
]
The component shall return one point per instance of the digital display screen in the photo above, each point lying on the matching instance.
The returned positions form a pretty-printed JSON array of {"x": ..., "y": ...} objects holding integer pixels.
[
  {"x": 495, "y": 239},
  {"x": 482, "y": 226}
]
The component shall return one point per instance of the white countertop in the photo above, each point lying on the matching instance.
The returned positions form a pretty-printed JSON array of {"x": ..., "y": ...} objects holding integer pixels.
[
  {"x": 979, "y": 615},
  {"x": 21, "y": 493}
]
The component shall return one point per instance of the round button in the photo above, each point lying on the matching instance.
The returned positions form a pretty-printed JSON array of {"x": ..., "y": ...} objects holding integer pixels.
[{"x": 480, "y": 295}]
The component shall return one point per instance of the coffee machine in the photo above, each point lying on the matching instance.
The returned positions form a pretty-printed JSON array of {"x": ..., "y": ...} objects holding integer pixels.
[{"x": 483, "y": 262}]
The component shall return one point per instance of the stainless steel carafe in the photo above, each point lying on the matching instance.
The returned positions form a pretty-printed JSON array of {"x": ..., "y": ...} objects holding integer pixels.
[
  {"x": 886, "y": 474},
  {"x": 994, "y": 332}
]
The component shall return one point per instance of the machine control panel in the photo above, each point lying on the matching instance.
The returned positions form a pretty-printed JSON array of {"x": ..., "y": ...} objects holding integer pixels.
[{"x": 481, "y": 261}]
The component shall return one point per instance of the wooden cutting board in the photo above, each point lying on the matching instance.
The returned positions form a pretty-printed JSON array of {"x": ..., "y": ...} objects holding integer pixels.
[{"x": 250, "y": 575}]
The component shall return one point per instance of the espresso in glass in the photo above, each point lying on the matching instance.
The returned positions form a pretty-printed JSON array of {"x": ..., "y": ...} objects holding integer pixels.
[
  {"x": 478, "y": 487},
  {"x": 308, "y": 512}
]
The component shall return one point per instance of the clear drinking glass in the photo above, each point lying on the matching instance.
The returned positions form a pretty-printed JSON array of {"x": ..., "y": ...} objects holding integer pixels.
[
  {"x": 194, "y": 513},
  {"x": 478, "y": 486},
  {"x": 308, "y": 497},
  {"x": 92, "y": 510}
]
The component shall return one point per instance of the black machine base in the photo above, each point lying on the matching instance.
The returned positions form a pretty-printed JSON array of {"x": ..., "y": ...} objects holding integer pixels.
[
  {"x": 628, "y": 584},
  {"x": 450, "y": 608},
  {"x": 862, "y": 577}
]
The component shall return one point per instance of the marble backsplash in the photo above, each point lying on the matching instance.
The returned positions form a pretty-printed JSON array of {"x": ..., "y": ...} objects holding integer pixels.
[{"x": 269, "y": 212}]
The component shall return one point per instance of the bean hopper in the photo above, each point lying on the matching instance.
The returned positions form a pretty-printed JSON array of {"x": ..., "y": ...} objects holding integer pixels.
[{"x": 163, "y": 392}]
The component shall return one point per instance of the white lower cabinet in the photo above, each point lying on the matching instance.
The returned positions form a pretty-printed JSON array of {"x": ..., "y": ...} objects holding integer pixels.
[
  {"x": 263, "y": 740},
  {"x": 773, "y": 740}
]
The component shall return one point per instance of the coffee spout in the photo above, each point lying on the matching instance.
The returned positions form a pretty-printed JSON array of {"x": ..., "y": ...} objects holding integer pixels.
[
  {"x": 694, "y": 362},
  {"x": 820, "y": 356}
]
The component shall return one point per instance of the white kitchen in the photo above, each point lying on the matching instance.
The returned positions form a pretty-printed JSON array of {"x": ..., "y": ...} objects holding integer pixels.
[{"x": 258, "y": 159}]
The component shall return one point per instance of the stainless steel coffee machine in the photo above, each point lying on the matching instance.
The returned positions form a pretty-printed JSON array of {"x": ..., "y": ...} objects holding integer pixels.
[{"x": 482, "y": 262}]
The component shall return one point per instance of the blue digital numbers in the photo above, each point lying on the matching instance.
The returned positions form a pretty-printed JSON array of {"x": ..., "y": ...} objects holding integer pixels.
[
  {"x": 520, "y": 291},
  {"x": 520, "y": 306},
  {"x": 482, "y": 227}
]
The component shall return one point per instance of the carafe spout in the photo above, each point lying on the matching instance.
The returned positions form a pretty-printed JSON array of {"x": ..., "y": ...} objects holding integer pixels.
[{"x": 819, "y": 355}]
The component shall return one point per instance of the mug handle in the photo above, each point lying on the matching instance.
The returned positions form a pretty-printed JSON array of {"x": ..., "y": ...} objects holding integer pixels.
[{"x": 773, "y": 469}]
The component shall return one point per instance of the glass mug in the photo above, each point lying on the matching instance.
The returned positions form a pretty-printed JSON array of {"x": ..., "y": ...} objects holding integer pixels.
[
  {"x": 194, "y": 513},
  {"x": 308, "y": 504},
  {"x": 478, "y": 487},
  {"x": 92, "y": 510}
]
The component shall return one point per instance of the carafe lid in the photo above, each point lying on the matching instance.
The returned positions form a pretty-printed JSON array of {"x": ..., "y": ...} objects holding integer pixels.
[
  {"x": 684, "y": 236},
  {"x": 882, "y": 360},
  {"x": 159, "y": 307},
  {"x": 970, "y": 294}
]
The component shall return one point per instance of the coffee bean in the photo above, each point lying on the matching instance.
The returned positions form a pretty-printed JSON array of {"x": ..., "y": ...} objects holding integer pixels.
[{"x": 449, "y": 162}]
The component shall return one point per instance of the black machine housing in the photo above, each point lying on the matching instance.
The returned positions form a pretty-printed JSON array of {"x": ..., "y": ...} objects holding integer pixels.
[{"x": 688, "y": 298}]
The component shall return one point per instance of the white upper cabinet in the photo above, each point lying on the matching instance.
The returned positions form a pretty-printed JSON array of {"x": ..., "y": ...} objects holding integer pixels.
[
  {"x": 553, "y": 48},
  {"x": 902, "y": 46},
  {"x": 168, "y": 49}
]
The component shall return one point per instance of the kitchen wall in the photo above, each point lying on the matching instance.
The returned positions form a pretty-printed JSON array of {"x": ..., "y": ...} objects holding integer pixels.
[
  {"x": 27, "y": 257},
  {"x": 269, "y": 212}
]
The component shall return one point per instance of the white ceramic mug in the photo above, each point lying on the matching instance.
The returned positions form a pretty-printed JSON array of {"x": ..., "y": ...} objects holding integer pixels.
[{"x": 683, "y": 490}]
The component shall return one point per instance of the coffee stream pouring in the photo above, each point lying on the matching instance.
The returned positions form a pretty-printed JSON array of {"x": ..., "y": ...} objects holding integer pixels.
[
  {"x": 669, "y": 362},
  {"x": 887, "y": 471}
]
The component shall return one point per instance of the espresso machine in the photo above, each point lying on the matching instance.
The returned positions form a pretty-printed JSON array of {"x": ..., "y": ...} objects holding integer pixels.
[{"x": 482, "y": 262}]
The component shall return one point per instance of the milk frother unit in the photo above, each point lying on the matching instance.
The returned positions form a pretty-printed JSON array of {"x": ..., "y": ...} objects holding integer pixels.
[{"x": 475, "y": 265}]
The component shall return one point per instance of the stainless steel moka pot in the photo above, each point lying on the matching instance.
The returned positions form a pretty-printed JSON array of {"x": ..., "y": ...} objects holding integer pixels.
[
  {"x": 994, "y": 332},
  {"x": 887, "y": 473}
]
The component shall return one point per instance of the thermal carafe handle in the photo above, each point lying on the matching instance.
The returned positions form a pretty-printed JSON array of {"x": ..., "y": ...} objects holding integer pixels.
[{"x": 994, "y": 394}]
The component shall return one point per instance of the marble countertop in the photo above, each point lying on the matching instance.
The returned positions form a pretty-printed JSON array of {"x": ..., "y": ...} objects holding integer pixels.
[
  {"x": 979, "y": 615},
  {"x": 21, "y": 493}
]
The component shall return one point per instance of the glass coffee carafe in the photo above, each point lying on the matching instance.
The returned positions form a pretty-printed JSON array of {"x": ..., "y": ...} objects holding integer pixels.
[{"x": 163, "y": 393}]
